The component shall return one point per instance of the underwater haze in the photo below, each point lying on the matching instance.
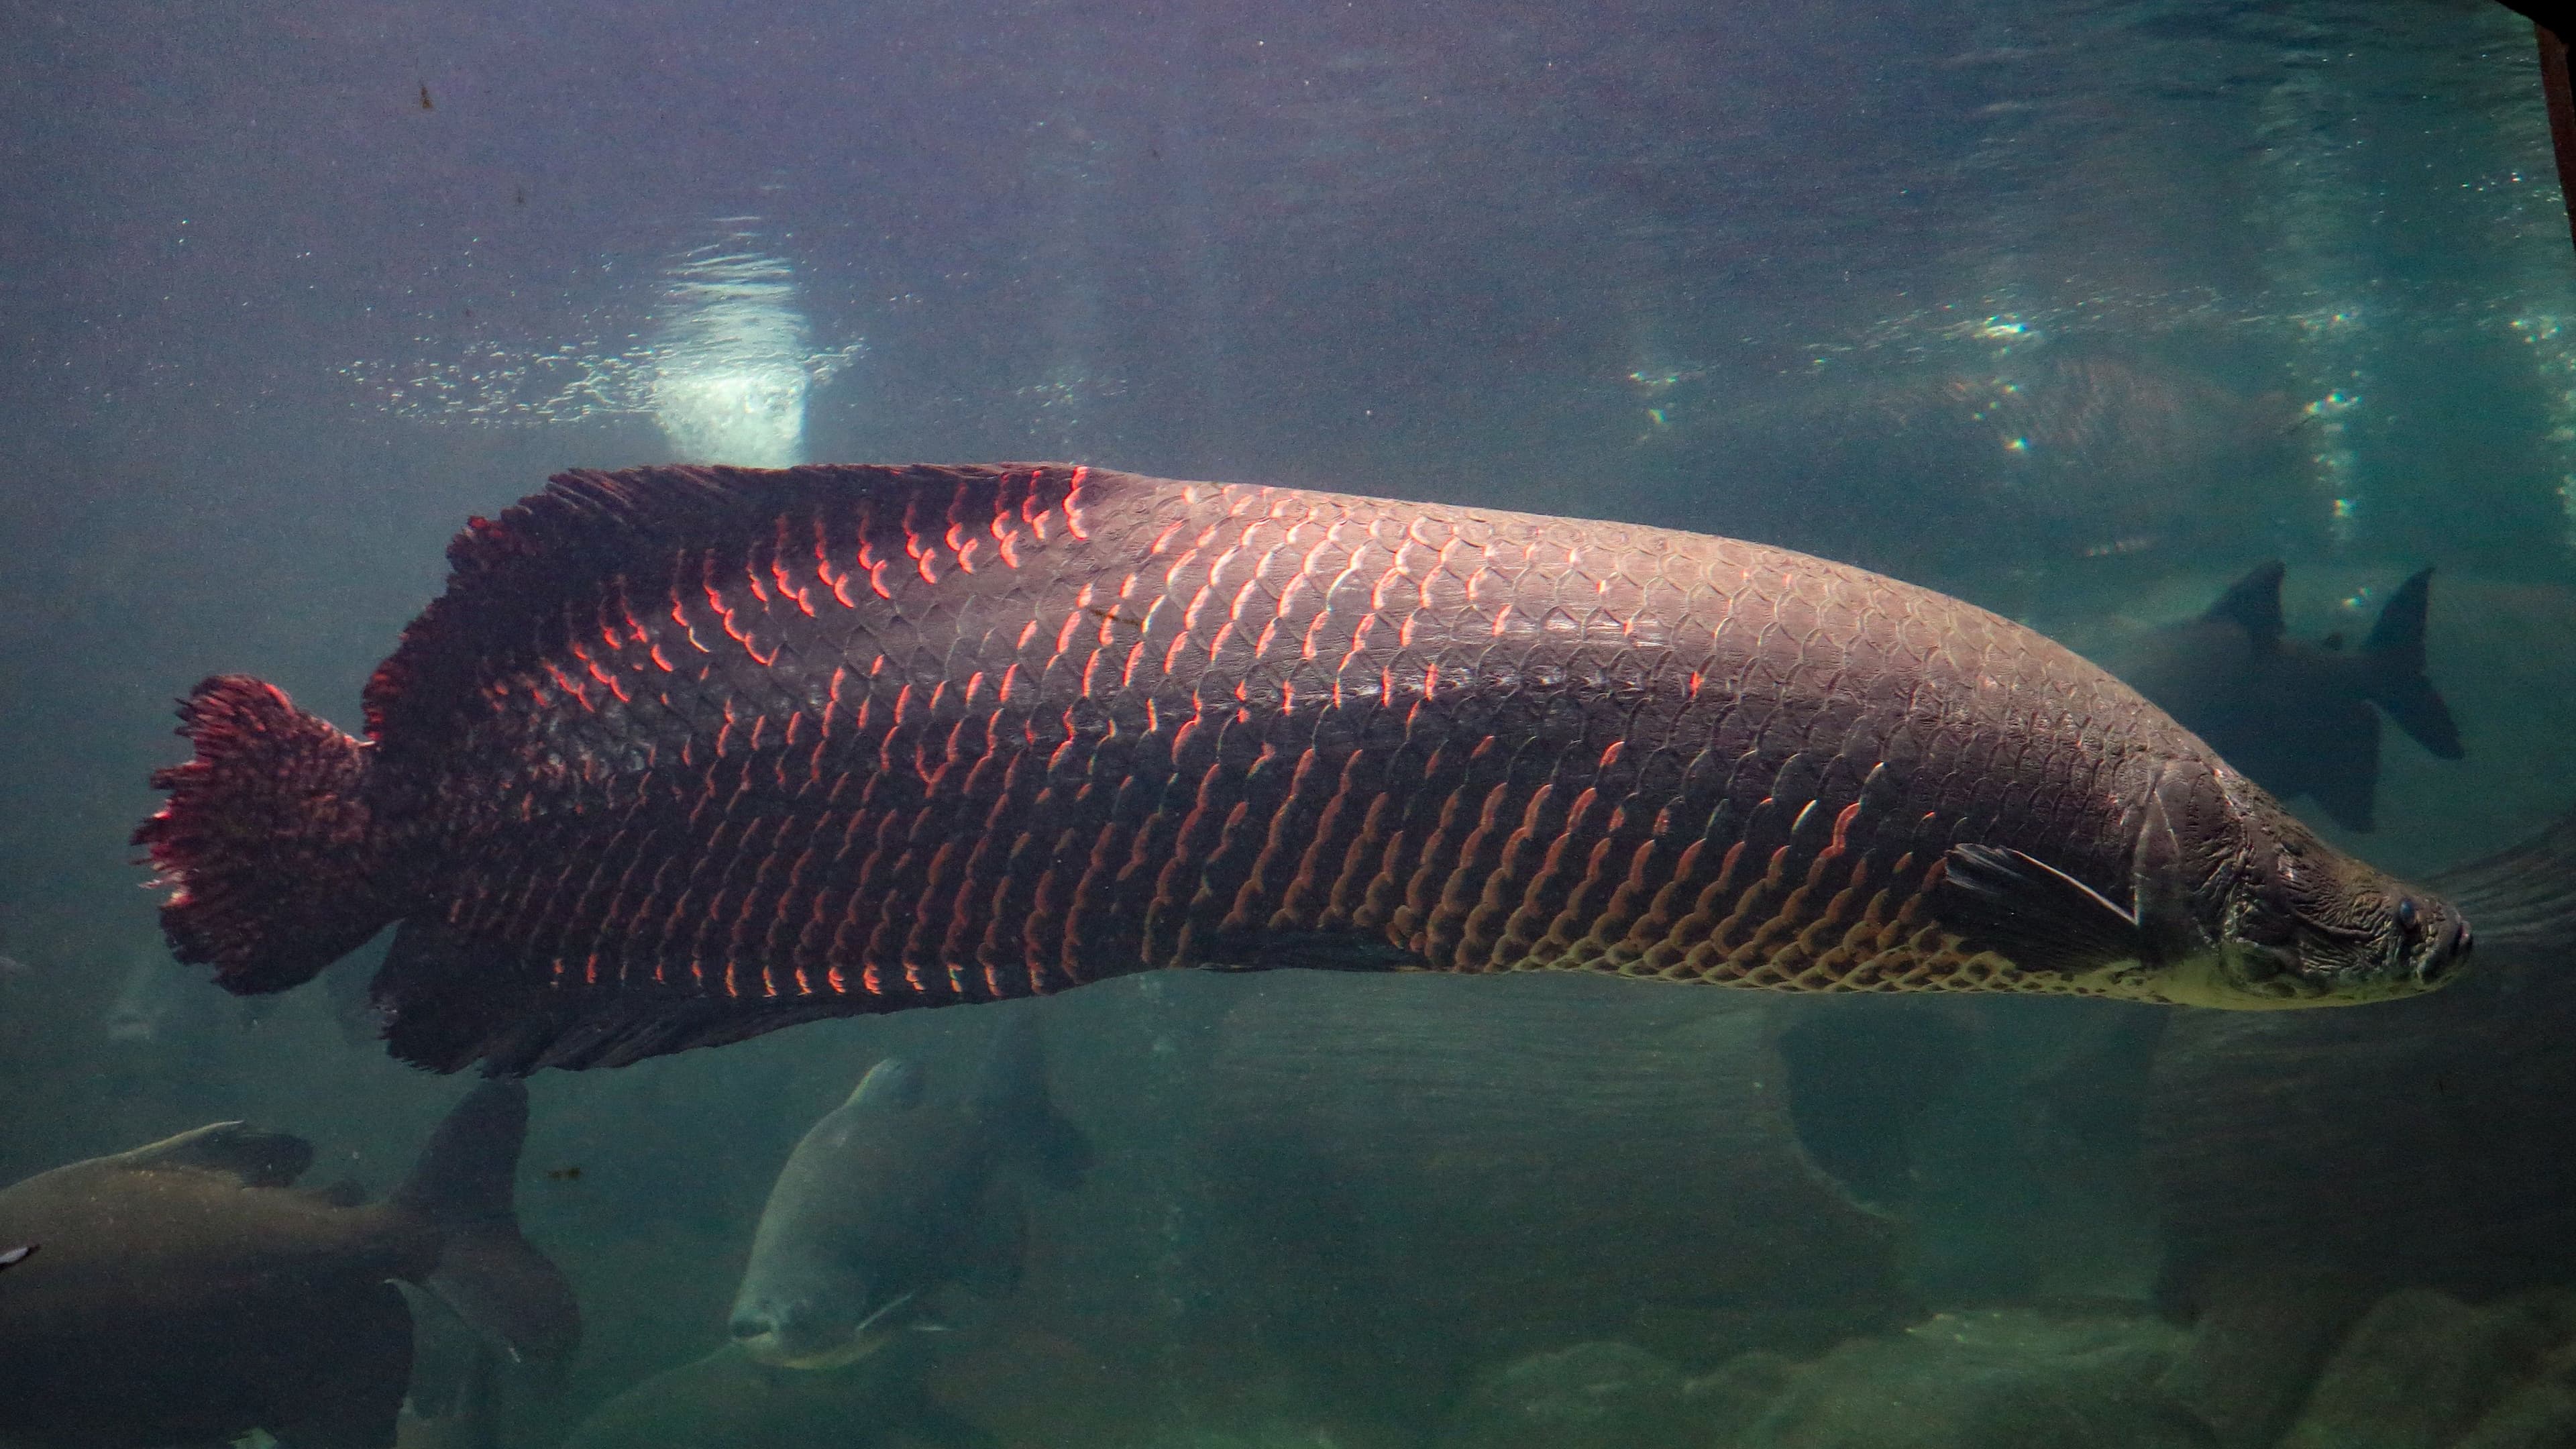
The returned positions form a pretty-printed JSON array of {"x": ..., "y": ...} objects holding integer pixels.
[{"x": 2081, "y": 313}]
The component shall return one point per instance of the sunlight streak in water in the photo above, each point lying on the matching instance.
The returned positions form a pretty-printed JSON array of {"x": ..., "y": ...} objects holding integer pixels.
[
  {"x": 723, "y": 363},
  {"x": 729, "y": 376}
]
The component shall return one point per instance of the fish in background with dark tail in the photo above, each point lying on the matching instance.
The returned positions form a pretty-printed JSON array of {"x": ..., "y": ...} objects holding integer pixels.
[
  {"x": 2296, "y": 717},
  {"x": 684, "y": 755},
  {"x": 888, "y": 1201},
  {"x": 892, "y": 1197},
  {"x": 187, "y": 1292}
]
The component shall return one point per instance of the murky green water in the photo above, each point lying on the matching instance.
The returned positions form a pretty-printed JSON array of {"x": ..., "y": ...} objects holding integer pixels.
[{"x": 2078, "y": 313}]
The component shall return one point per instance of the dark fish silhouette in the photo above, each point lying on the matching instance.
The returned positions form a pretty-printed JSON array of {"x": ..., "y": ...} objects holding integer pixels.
[
  {"x": 2297, "y": 717},
  {"x": 460, "y": 1409},
  {"x": 890, "y": 1197},
  {"x": 188, "y": 1293},
  {"x": 687, "y": 754}
]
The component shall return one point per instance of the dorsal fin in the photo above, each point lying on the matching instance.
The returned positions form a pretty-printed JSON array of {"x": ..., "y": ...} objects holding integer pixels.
[
  {"x": 2253, "y": 603},
  {"x": 513, "y": 579},
  {"x": 892, "y": 1085},
  {"x": 1009, "y": 1099},
  {"x": 256, "y": 1158}
]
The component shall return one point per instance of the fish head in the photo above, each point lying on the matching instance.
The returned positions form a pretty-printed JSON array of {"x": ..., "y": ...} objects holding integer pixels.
[
  {"x": 2304, "y": 924},
  {"x": 854, "y": 1230},
  {"x": 817, "y": 1295},
  {"x": 816, "y": 1329}
]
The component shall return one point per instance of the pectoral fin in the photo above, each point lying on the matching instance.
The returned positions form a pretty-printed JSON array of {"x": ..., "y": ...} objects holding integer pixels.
[{"x": 2034, "y": 914}]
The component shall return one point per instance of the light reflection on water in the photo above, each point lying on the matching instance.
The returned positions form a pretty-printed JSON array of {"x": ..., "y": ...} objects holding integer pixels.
[
  {"x": 721, "y": 357},
  {"x": 729, "y": 372}
]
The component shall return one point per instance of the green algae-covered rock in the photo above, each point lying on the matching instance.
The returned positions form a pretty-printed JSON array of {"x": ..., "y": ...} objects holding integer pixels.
[
  {"x": 2262, "y": 1332},
  {"x": 1993, "y": 1379},
  {"x": 2422, "y": 1369},
  {"x": 1590, "y": 1396}
]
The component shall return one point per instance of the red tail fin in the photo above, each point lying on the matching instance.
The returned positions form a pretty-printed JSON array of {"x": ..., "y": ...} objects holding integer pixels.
[{"x": 266, "y": 839}]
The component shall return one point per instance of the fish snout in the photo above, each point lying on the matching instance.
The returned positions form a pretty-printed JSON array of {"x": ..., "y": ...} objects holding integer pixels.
[
  {"x": 806, "y": 1334},
  {"x": 777, "y": 1332},
  {"x": 2447, "y": 953}
]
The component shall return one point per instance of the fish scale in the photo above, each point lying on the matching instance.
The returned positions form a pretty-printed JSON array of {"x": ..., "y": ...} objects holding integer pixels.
[
  {"x": 1504, "y": 844},
  {"x": 683, "y": 754}
]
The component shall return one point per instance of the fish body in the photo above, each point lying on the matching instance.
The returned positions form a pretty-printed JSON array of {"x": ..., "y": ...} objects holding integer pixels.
[
  {"x": 892, "y": 1196},
  {"x": 729, "y": 1398},
  {"x": 189, "y": 1293},
  {"x": 2298, "y": 718},
  {"x": 687, "y": 754}
]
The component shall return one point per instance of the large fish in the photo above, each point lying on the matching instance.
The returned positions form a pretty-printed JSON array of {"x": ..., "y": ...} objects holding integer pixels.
[
  {"x": 2295, "y": 716},
  {"x": 686, "y": 754},
  {"x": 890, "y": 1197},
  {"x": 188, "y": 1293}
]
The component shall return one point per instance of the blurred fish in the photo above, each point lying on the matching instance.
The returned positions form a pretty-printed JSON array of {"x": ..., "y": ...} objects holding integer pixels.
[
  {"x": 685, "y": 755},
  {"x": 147, "y": 1001},
  {"x": 344, "y": 993},
  {"x": 2295, "y": 716},
  {"x": 729, "y": 1400},
  {"x": 1968, "y": 469},
  {"x": 888, "y": 1198},
  {"x": 11, "y": 966},
  {"x": 12, "y": 1257},
  {"x": 463, "y": 1413},
  {"x": 189, "y": 1293},
  {"x": 2119, "y": 453}
]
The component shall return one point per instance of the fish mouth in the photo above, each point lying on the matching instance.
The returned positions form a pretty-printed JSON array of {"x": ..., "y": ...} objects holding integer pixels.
[{"x": 779, "y": 1348}]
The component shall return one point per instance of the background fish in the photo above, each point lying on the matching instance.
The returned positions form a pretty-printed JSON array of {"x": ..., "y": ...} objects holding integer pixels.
[
  {"x": 2297, "y": 717},
  {"x": 188, "y": 1293},
  {"x": 146, "y": 1000},
  {"x": 1963, "y": 466},
  {"x": 687, "y": 754},
  {"x": 890, "y": 1197},
  {"x": 729, "y": 1399}
]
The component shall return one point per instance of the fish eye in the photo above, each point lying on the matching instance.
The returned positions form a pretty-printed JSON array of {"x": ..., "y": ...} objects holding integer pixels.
[{"x": 2407, "y": 915}]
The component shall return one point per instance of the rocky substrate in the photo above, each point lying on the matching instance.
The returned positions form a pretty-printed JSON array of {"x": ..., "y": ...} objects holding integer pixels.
[{"x": 2289, "y": 1362}]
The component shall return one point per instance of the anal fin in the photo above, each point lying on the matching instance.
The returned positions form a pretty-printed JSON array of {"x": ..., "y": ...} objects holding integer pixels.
[{"x": 450, "y": 1000}]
